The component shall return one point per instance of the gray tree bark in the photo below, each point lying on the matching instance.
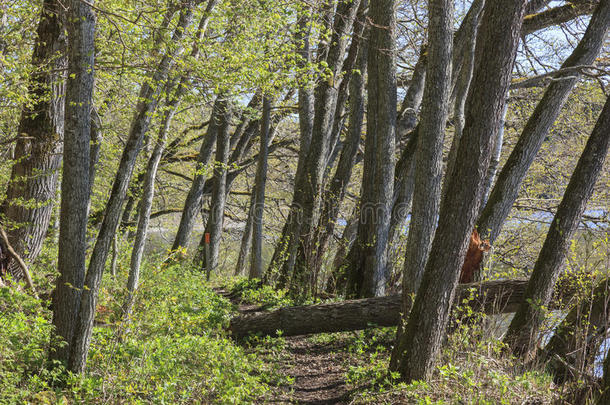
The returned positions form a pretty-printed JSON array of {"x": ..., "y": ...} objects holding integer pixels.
[
  {"x": 148, "y": 194},
  {"x": 429, "y": 153},
  {"x": 522, "y": 334},
  {"x": 33, "y": 183},
  {"x": 409, "y": 109},
  {"x": 506, "y": 189},
  {"x": 193, "y": 202},
  {"x": 307, "y": 189},
  {"x": 496, "y": 47},
  {"x": 358, "y": 37},
  {"x": 256, "y": 257},
  {"x": 463, "y": 40},
  {"x": 219, "y": 195},
  {"x": 367, "y": 260},
  {"x": 149, "y": 97},
  {"x": 286, "y": 245},
  {"x": 460, "y": 92},
  {"x": 95, "y": 148},
  {"x": 75, "y": 184},
  {"x": 333, "y": 196},
  {"x": 495, "y": 159},
  {"x": 246, "y": 238}
]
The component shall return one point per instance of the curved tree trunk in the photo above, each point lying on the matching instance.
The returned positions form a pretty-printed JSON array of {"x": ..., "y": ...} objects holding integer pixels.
[
  {"x": 149, "y": 98},
  {"x": 26, "y": 212},
  {"x": 496, "y": 47},
  {"x": 522, "y": 334},
  {"x": 505, "y": 192},
  {"x": 193, "y": 202}
]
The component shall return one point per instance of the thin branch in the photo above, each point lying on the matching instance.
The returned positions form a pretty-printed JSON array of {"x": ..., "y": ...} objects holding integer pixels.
[{"x": 19, "y": 260}]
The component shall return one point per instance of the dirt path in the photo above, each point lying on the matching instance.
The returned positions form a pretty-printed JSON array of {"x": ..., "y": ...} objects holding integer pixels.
[
  {"x": 317, "y": 368},
  {"x": 318, "y": 371}
]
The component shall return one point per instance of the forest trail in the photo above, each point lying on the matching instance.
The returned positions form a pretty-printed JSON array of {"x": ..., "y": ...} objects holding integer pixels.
[{"x": 317, "y": 368}]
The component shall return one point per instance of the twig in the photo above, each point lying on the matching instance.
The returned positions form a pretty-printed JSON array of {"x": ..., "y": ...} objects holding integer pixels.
[{"x": 19, "y": 260}]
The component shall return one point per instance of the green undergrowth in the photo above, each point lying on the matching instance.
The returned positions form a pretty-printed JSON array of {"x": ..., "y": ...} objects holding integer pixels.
[
  {"x": 255, "y": 292},
  {"x": 174, "y": 349},
  {"x": 473, "y": 369}
]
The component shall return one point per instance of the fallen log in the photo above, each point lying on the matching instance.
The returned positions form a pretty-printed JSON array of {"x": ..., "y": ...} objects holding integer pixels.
[{"x": 491, "y": 297}]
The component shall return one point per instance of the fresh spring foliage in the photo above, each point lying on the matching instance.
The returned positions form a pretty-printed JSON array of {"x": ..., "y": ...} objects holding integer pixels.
[{"x": 174, "y": 348}]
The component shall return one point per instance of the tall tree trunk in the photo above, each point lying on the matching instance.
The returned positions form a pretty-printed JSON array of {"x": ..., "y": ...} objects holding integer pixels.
[
  {"x": 460, "y": 92},
  {"x": 33, "y": 183},
  {"x": 193, "y": 202},
  {"x": 308, "y": 186},
  {"x": 366, "y": 268},
  {"x": 148, "y": 194},
  {"x": 286, "y": 245},
  {"x": 149, "y": 97},
  {"x": 333, "y": 196},
  {"x": 506, "y": 190},
  {"x": 523, "y": 331},
  {"x": 219, "y": 195},
  {"x": 75, "y": 185},
  {"x": 496, "y": 47},
  {"x": 246, "y": 239},
  {"x": 429, "y": 154},
  {"x": 338, "y": 279},
  {"x": 406, "y": 125},
  {"x": 256, "y": 258}
]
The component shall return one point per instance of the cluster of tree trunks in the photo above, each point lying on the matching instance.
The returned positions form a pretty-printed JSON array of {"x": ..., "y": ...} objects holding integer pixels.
[
  {"x": 418, "y": 346},
  {"x": 468, "y": 71}
]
